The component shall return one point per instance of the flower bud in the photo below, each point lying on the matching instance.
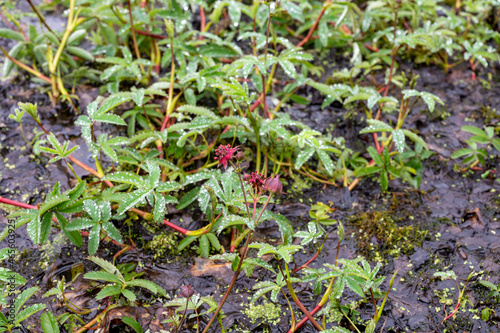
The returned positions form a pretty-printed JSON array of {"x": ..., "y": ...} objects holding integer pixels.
[
  {"x": 187, "y": 291},
  {"x": 273, "y": 184}
]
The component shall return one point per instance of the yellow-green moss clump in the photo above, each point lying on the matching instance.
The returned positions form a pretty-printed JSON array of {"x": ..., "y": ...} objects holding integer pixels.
[
  {"x": 162, "y": 245},
  {"x": 268, "y": 313},
  {"x": 378, "y": 233}
]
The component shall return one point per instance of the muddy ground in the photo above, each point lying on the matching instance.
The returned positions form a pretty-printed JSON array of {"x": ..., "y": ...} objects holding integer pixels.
[{"x": 451, "y": 223}]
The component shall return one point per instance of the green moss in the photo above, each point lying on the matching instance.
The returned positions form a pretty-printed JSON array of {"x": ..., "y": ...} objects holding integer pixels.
[
  {"x": 162, "y": 244},
  {"x": 393, "y": 237},
  {"x": 267, "y": 313}
]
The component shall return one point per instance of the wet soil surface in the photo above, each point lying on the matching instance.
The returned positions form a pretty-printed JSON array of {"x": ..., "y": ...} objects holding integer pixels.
[{"x": 452, "y": 222}]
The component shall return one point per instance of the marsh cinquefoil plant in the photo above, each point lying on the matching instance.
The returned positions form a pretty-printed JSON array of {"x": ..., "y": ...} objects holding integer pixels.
[{"x": 177, "y": 95}]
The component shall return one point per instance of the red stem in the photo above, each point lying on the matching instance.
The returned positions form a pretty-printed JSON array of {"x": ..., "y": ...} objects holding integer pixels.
[
  {"x": 308, "y": 262},
  {"x": 202, "y": 21},
  {"x": 315, "y": 25}
]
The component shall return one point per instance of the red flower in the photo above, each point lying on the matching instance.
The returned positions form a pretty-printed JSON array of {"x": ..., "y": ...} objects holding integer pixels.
[
  {"x": 224, "y": 153},
  {"x": 255, "y": 179}
]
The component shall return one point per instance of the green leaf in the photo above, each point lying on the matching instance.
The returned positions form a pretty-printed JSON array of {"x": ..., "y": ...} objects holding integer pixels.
[
  {"x": 45, "y": 227},
  {"x": 51, "y": 203},
  {"x": 110, "y": 119},
  {"x": 151, "y": 286},
  {"x": 23, "y": 298},
  {"x": 303, "y": 156},
  {"x": 92, "y": 209},
  {"x": 197, "y": 110},
  {"x": 323, "y": 32},
  {"x": 462, "y": 152},
  {"x": 415, "y": 138},
  {"x": 102, "y": 276},
  {"x": 326, "y": 160},
  {"x": 113, "y": 101},
  {"x": 28, "y": 312},
  {"x": 488, "y": 284},
  {"x": 112, "y": 232},
  {"x": 80, "y": 224},
  {"x": 375, "y": 156},
  {"x": 213, "y": 240},
  {"x": 10, "y": 34},
  {"x": 79, "y": 52},
  {"x": 474, "y": 130},
  {"x": 109, "y": 291},
  {"x": 126, "y": 177},
  {"x": 106, "y": 265},
  {"x": 217, "y": 51},
  {"x": 94, "y": 238},
  {"x": 398, "y": 137},
  {"x": 376, "y": 126},
  {"x": 204, "y": 246},
  {"x": 132, "y": 323},
  {"x": 185, "y": 242},
  {"x": 429, "y": 99},
  {"x": 49, "y": 323},
  {"x": 188, "y": 198},
  {"x": 384, "y": 180},
  {"x": 129, "y": 295},
  {"x": 34, "y": 229}
]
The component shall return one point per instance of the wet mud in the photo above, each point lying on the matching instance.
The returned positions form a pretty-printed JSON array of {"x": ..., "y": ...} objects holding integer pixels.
[{"x": 453, "y": 220}]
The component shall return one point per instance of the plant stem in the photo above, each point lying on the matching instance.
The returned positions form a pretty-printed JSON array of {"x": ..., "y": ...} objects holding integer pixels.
[
  {"x": 26, "y": 67},
  {"x": 315, "y": 25},
  {"x": 295, "y": 298},
  {"x": 40, "y": 17},
  {"x": 134, "y": 39},
  {"x": 231, "y": 285},
  {"x": 325, "y": 297}
]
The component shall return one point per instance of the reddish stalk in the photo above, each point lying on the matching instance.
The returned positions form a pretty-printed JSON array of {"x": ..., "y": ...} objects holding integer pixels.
[
  {"x": 26, "y": 67},
  {"x": 149, "y": 34},
  {"x": 306, "y": 264},
  {"x": 232, "y": 248},
  {"x": 315, "y": 25},
  {"x": 16, "y": 203},
  {"x": 202, "y": 21}
]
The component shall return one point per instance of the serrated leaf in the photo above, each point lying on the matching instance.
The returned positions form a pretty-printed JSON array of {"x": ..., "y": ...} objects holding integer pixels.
[
  {"x": 415, "y": 138},
  {"x": 151, "y": 286},
  {"x": 326, "y": 160},
  {"x": 132, "y": 323},
  {"x": 107, "y": 266},
  {"x": 132, "y": 200},
  {"x": 126, "y": 178},
  {"x": 28, "y": 312},
  {"x": 110, "y": 119},
  {"x": 198, "y": 110},
  {"x": 102, "y": 276},
  {"x": 188, "y": 198},
  {"x": 49, "y": 323},
  {"x": 23, "y": 298},
  {"x": 303, "y": 156},
  {"x": 109, "y": 291},
  {"x": 398, "y": 137}
]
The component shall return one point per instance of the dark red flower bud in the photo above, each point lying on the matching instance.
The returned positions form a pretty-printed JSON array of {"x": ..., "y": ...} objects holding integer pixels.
[
  {"x": 273, "y": 184},
  {"x": 246, "y": 177},
  {"x": 240, "y": 155},
  {"x": 187, "y": 291}
]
